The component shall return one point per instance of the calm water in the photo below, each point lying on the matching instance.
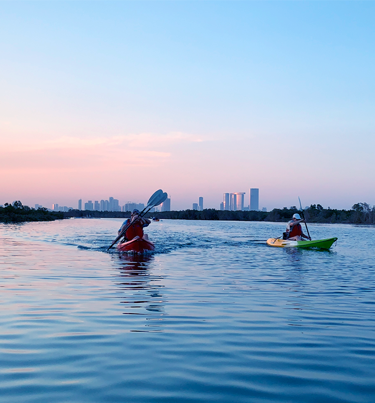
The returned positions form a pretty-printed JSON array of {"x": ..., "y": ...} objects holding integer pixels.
[{"x": 213, "y": 315}]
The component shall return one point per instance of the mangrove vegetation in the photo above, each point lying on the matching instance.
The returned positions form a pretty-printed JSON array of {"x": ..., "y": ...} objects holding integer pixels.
[
  {"x": 360, "y": 213},
  {"x": 17, "y": 212}
]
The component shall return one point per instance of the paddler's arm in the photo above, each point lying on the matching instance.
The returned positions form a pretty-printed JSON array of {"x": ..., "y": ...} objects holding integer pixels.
[
  {"x": 293, "y": 223},
  {"x": 146, "y": 222},
  {"x": 124, "y": 224}
]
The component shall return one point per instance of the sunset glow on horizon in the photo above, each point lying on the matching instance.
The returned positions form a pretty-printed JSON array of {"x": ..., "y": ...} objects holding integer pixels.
[{"x": 119, "y": 99}]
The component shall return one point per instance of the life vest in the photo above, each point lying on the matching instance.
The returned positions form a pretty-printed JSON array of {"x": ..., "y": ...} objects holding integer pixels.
[
  {"x": 295, "y": 231},
  {"x": 134, "y": 230}
]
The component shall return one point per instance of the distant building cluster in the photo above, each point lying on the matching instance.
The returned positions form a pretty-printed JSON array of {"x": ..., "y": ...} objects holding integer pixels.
[
  {"x": 236, "y": 201},
  {"x": 198, "y": 206},
  {"x": 56, "y": 207},
  {"x": 113, "y": 204},
  {"x": 233, "y": 201}
]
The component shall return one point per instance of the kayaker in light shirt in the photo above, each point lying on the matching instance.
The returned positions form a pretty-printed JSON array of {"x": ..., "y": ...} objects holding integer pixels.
[
  {"x": 294, "y": 230},
  {"x": 137, "y": 228}
]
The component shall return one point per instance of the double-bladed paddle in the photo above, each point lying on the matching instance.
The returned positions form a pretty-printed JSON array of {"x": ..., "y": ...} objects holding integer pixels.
[
  {"x": 157, "y": 198},
  {"x": 303, "y": 216}
]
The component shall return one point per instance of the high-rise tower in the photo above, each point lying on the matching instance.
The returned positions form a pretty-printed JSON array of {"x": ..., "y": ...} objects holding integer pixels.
[
  {"x": 166, "y": 205},
  {"x": 254, "y": 199},
  {"x": 200, "y": 203},
  {"x": 226, "y": 204},
  {"x": 239, "y": 201}
]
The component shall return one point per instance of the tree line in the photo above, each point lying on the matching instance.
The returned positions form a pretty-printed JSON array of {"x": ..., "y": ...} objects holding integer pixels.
[
  {"x": 17, "y": 212},
  {"x": 360, "y": 213}
]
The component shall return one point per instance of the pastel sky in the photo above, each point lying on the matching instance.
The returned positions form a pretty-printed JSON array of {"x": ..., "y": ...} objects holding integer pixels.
[{"x": 102, "y": 98}]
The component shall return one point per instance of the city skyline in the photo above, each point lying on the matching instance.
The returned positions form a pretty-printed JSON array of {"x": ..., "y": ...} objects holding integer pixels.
[
  {"x": 279, "y": 94},
  {"x": 129, "y": 206},
  {"x": 111, "y": 204},
  {"x": 235, "y": 200}
]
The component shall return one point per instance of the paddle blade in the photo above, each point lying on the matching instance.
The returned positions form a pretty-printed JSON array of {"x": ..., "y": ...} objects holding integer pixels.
[
  {"x": 154, "y": 197},
  {"x": 162, "y": 198},
  {"x": 158, "y": 200}
]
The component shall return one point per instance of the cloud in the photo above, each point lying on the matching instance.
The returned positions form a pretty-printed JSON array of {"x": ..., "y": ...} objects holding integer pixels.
[
  {"x": 68, "y": 154},
  {"x": 147, "y": 139}
]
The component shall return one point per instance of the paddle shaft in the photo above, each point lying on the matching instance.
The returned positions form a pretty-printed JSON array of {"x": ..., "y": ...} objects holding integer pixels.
[
  {"x": 276, "y": 239},
  {"x": 303, "y": 216}
]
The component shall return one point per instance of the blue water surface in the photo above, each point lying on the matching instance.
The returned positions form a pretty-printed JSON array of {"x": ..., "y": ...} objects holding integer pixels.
[{"x": 213, "y": 315}]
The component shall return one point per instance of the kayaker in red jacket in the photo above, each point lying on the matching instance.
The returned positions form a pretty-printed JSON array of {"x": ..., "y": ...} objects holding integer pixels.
[
  {"x": 294, "y": 230},
  {"x": 136, "y": 229}
]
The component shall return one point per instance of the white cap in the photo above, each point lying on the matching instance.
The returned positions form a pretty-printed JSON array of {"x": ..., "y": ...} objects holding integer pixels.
[{"x": 296, "y": 216}]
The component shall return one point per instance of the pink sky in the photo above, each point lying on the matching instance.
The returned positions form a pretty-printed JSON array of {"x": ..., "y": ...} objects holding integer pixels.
[
  {"x": 103, "y": 99},
  {"x": 132, "y": 167}
]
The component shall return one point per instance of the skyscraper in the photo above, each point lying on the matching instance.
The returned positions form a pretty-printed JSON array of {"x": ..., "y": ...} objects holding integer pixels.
[
  {"x": 89, "y": 206},
  {"x": 80, "y": 204},
  {"x": 116, "y": 206},
  {"x": 254, "y": 199},
  {"x": 226, "y": 204},
  {"x": 239, "y": 201},
  {"x": 111, "y": 204},
  {"x": 130, "y": 206},
  {"x": 200, "y": 203},
  {"x": 195, "y": 206},
  {"x": 233, "y": 201},
  {"x": 166, "y": 205},
  {"x": 96, "y": 206}
]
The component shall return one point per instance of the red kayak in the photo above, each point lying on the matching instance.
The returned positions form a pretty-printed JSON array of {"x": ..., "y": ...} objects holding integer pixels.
[{"x": 136, "y": 245}]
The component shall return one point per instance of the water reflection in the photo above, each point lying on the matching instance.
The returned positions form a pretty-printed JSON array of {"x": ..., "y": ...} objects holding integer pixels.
[
  {"x": 303, "y": 272},
  {"x": 136, "y": 264},
  {"x": 295, "y": 257},
  {"x": 141, "y": 289},
  {"x": 296, "y": 254}
]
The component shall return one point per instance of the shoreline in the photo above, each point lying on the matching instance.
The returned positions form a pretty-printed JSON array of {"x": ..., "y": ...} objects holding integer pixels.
[
  {"x": 313, "y": 215},
  {"x": 361, "y": 214}
]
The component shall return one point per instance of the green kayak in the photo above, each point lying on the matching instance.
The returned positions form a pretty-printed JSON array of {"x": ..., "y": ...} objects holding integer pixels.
[{"x": 319, "y": 243}]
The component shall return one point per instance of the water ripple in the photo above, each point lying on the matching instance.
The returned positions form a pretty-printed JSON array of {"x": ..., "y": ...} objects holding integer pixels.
[{"x": 213, "y": 315}]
